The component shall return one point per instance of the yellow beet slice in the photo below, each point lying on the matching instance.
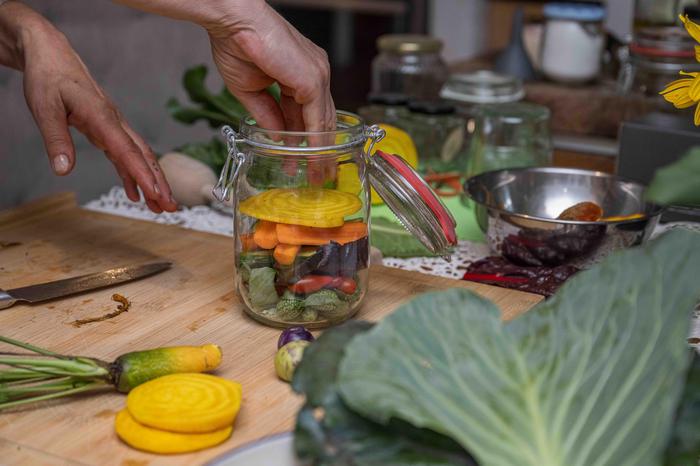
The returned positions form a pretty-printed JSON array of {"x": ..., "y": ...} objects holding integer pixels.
[
  {"x": 186, "y": 403},
  {"x": 153, "y": 440},
  {"x": 311, "y": 207}
]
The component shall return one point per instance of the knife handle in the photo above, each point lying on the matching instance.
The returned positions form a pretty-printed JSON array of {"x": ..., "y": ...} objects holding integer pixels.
[{"x": 6, "y": 300}]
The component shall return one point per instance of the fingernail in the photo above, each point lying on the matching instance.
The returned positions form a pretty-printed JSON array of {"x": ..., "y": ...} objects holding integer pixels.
[
  {"x": 61, "y": 164},
  {"x": 156, "y": 189}
]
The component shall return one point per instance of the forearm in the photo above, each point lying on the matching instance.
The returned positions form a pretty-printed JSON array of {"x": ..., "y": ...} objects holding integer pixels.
[
  {"x": 210, "y": 14},
  {"x": 19, "y": 27}
]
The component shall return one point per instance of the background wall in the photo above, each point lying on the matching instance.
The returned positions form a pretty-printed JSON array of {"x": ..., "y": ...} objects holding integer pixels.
[{"x": 137, "y": 58}]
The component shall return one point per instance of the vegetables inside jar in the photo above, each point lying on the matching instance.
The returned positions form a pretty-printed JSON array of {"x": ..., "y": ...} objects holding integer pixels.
[{"x": 301, "y": 218}]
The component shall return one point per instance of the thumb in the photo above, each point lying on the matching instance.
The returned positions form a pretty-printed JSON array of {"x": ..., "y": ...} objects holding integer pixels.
[{"x": 53, "y": 125}]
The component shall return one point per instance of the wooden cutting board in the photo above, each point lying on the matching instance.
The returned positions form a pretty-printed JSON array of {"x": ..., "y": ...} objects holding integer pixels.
[{"x": 191, "y": 304}]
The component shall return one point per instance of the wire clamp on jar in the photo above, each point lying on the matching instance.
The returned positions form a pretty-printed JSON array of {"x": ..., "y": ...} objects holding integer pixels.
[
  {"x": 232, "y": 166},
  {"x": 374, "y": 134}
]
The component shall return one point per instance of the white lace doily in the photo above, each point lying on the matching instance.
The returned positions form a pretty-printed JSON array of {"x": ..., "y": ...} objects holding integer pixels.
[{"x": 204, "y": 218}]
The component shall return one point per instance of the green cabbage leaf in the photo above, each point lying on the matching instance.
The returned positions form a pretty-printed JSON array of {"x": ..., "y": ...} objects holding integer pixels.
[{"x": 590, "y": 377}]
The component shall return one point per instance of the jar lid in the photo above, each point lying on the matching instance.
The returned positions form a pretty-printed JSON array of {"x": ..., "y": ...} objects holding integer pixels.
[
  {"x": 431, "y": 107},
  {"x": 408, "y": 43},
  {"x": 387, "y": 98},
  {"x": 483, "y": 87},
  {"x": 574, "y": 12},
  {"x": 415, "y": 204},
  {"x": 514, "y": 114},
  {"x": 663, "y": 42}
]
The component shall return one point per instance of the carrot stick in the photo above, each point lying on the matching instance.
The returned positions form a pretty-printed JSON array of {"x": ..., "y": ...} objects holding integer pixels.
[
  {"x": 286, "y": 253},
  {"x": 265, "y": 234},
  {"x": 311, "y": 236}
]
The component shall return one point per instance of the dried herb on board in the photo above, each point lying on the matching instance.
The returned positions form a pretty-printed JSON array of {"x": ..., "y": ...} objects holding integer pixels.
[{"x": 122, "y": 307}]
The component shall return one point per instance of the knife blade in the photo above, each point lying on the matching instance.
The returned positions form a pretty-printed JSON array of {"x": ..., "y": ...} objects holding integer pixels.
[{"x": 74, "y": 285}]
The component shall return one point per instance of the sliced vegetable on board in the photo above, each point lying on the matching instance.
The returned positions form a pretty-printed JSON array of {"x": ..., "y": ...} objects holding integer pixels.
[
  {"x": 152, "y": 440},
  {"x": 314, "y": 207},
  {"x": 591, "y": 376},
  {"x": 186, "y": 403},
  {"x": 46, "y": 375}
]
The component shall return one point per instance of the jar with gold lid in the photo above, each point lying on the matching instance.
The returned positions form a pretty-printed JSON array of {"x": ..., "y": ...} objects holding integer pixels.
[{"x": 409, "y": 64}]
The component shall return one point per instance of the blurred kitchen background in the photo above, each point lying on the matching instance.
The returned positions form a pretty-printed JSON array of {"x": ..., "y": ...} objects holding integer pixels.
[{"x": 622, "y": 52}]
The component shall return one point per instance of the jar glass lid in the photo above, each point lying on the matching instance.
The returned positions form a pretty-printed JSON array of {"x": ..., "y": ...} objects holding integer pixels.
[
  {"x": 415, "y": 204},
  {"x": 483, "y": 87}
]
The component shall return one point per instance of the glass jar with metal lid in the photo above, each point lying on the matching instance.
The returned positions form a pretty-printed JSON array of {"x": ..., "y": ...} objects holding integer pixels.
[
  {"x": 655, "y": 58},
  {"x": 409, "y": 64},
  {"x": 573, "y": 42},
  {"x": 301, "y": 217},
  {"x": 390, "y": 108},
  {"x": 438, "y": 133}
]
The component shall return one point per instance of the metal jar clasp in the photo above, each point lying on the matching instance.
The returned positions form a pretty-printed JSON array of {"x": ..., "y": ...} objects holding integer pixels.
[{"x": 232, "y": 166}]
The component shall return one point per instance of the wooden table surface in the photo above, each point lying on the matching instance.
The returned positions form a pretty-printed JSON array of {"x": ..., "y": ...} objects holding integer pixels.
[{"x": 192, "y": 303}]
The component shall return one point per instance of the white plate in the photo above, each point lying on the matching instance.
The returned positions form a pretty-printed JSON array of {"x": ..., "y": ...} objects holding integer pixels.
[{"x": 276, "y": 450}]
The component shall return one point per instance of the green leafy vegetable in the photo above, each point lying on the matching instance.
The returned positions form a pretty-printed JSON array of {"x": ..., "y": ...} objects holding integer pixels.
[
  {"x": 395, "y": 241},
  {"x": 217, "y": 109},
  {"x": 590, "y": 377},
  {"x": 341, "y": 437},
  {"x": 261, "y": 287},
  {"x": 678, "y": 183},
  {"x": 684, "y": 448}
]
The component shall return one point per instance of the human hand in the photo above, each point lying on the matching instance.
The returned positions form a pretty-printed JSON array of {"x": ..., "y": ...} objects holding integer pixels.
[
  {"x": 60, "y": 91},
  {"x": 254, "y": 47}
]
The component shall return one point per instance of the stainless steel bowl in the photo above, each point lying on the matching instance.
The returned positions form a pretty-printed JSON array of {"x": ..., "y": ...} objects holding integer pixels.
[{"x": 518, "y": 208}]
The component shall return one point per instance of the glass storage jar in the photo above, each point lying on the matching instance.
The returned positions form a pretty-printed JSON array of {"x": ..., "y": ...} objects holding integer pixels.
[
  {"x": 387, "y": 108},
  {"x": 655, "y": 58},
  {"x": 301, "y": 217},
  {"x": 409, "y": 64},
  {"x": 510, "y": 136},
  {"x": 439, "y": 136},
  {"x": 573, "y": 41}
]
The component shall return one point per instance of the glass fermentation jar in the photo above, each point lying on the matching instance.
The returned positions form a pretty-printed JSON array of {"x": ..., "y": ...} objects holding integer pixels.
[
  {"x": 510, "y": 136},
  {"x": 409, "y": 64},
  {"x": 439, "y": 136},
  {"x": 301, "y": 211}
]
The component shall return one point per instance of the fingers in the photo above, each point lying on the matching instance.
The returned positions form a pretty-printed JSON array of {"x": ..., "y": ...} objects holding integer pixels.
[
  {"x": 263, "y": 108},
  {"x": 166, "y": 201},
  {"x": 104, "y": 128},
  {"x": 53, "y": 125}
]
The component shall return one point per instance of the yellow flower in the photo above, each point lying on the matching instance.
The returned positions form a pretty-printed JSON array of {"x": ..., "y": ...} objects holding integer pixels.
[
  {"x": 692, "y": 28},
  {"x": 684, "y": 93}
]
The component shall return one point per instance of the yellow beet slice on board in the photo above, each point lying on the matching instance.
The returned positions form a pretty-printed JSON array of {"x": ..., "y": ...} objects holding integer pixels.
[
  {"x": 311, "y": 207},
  {"x": 153, "y": 440},
  {"x": 186, "y": 403}
]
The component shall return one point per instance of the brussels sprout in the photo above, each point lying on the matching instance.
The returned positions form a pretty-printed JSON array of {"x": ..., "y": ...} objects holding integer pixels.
[{"x": 288, "y": 358}]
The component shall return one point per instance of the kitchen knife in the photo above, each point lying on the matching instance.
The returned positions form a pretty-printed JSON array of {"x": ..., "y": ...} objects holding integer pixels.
[{"x": 74, "y": 285}]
